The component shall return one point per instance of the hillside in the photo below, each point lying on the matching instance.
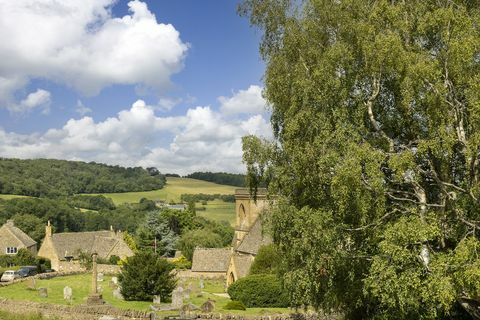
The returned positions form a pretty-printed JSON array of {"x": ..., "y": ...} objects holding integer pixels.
[
  {"x": 230, "y": 179},
  {"x": 50, "y": 178},
  {"x": 172, "y": 191}
]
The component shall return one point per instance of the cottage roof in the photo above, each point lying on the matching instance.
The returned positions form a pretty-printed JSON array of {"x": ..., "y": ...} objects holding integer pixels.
[
  {"x": 254, "y": 239},
  {"x": 19, "y": 234},
  {"x": 211, "y": 259},
  {"x": 242, "y": 263},
  {"x": 72, "y": 243}
]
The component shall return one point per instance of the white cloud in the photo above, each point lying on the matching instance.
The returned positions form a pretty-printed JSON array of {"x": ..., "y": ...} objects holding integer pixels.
[
  {"x": 248, "y": 101},
  {"x": 81, "y": 109},
  {"x": 38, "y": 99},
  {"x": 202, "y": 139},
  {"x": 80, "y": 44}
]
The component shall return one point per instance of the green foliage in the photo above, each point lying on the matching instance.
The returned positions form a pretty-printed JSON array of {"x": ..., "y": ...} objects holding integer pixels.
[
  {"x": 182, "y": 263},
  {"x": 375, "y": 159},
  {"x": 96, "y": 202},
  {"x": 145, "y": 275},
  {"x": 47, "y": 177},
  {"x": 198, "y": 238},
  {"x": 260, "y": 290},
  {"x": 156, "y": 235},
  {"x": 230, "y": 179},
  {"x": 234, "y": 305},
  {"x": 25, "y": 257},
  {"x": 201, "y": 197},
  {"x": 266, "y": 261}
]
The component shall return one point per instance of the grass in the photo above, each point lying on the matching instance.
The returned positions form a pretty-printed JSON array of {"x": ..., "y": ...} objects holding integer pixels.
[
  {"x": 172, "y": 191},
  {"x": 30, "y": 316},
  {"x": 218, "y": 210},
  {"x": 11, "y": 196},
  {"x": 80, "y": 285}
]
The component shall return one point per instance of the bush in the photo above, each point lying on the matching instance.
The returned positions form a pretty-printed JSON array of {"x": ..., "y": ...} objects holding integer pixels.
[
  {"x": 266, "y": 261},
  {"x": 181, "y": 263},
  {"x": 145, "y": 275},
  {"x": 25, "y": 257},
  {"x": 260, "y": 290},
  {"x": 234, "y": 305},
  {"x": 113, "y": 260}
]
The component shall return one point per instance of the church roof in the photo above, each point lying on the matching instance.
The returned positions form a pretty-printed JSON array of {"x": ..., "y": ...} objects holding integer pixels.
[
  {"x": 19, "y": 234},
  {"x": 254, "y": 239},
  {"x": 242, "y": 263},
  {"x": 72, "y": 243},
  {"x": 211, "y": 259}
]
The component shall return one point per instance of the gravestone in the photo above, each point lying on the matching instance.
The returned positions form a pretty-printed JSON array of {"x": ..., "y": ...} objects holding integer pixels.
[
  {"x": 186, "y": 293},
  {"x": 43, "y": 292},
  {"x": 177, "y": 298},
  {"x": 67, "y": 293},
  {"x": 117, "y": 294},
  {"x": 100, "y": 277},
  {"x": 202, "y": 285},
  {"x": 156, "y": 300},
  {"x": 115, "y": 280},
  {"x": 31, "y": 284},
  {"x": 187, "y": 310},
  {"x": 208, "y": 306}
]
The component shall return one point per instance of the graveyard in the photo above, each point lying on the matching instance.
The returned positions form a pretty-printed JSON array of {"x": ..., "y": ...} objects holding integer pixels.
[{"x": 193, "y": 292}]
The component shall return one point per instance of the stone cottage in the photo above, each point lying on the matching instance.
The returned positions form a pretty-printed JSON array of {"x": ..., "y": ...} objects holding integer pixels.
[
  {"x": 63, "y": 249},
  {"x": 235, "y": 262},
  {"x": 13, "y": 239},
  {"x": 210, "y": 263}
]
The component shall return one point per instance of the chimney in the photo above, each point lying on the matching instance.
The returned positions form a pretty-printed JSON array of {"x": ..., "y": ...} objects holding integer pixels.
[{"x": 48, "y": 229}]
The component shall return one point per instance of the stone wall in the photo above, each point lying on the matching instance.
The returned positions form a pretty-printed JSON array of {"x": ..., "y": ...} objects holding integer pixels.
[
  {"x": 81, "y": 312},
  {"x": 108, "y": 268}
]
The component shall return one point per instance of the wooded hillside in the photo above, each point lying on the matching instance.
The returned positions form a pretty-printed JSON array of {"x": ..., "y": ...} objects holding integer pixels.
[
  {"x": 230, "y": 179},
  {"x": 47, "y": 177}
]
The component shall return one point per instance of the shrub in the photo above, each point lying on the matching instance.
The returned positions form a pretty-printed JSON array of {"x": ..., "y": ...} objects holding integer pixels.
[
  {"x": 181, "y": 263},
  {"x": 262, "y": 290},
  {"x": 113, "y": 260},
  {"x": 25, "y": 257},
  {"x": 234, "y": 305},
  {"x": 266, "y": 261},
  {"x": 145, "y": 275}
]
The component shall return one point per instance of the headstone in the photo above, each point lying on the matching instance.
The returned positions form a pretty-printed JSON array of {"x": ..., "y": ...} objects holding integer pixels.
[
  {"x": 115, "y": 280},
  {"x": 31, "y": 284},
  {"x": 202, "y": 285},
  {"x": 43, "y": 292},
  {"x": 208, "y": 306},
  {"x": 187, "y": 309},
  {"x": 117, "y": 294},
  {"x": 177, "y": 298},
  {"x": 67, "y": 293},
  {"x": 156, "y": 300},
  {"x": 186, "y": 293},
  {"x": 100, "y": 277}
]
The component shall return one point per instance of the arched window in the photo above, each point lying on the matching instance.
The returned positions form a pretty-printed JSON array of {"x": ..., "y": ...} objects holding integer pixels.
[
  {"x": 231, "y": 278},
  {"x": 243, "y": 216}
]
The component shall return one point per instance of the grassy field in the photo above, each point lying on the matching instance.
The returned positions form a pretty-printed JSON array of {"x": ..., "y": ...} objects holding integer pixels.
[
  {"x": 218, "y": 210},
  {"x": 80, "y": 284},
  {"x": 10, "y": 196},
  {"x": 172, "y": 191}
]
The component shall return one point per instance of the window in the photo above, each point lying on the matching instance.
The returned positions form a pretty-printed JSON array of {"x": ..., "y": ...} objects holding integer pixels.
[{"x": 11, "y": 250}]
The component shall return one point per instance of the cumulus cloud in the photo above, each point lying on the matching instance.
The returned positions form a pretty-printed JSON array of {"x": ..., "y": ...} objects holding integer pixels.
[
  {"x": 80, "y": 44},
  {"x": 37, "y": 99},
  {"x": 248, "y": 101},
  {"x": 81, "y": 109},
  {"x": 202, "y": 139}
]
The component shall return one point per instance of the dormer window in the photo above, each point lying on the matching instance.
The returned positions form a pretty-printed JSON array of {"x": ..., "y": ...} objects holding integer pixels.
[{"x": 11, "y": 250}]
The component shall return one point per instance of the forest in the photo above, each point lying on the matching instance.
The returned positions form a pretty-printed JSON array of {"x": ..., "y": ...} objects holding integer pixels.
[
  {"x": 230, "y": 179},
  {"x": 53, "y": 178}
]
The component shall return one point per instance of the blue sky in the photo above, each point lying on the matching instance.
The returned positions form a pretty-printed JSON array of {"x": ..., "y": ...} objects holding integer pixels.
[{"x": 171, "y": 84}]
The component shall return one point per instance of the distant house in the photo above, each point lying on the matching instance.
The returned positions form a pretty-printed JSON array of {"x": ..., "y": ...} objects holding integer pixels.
[
  {"x": 210, "y": 262},
  {"x": 13, "y": 239},
  {"x": 63, "y": 249},
  {"x": 235, "y": 262}
]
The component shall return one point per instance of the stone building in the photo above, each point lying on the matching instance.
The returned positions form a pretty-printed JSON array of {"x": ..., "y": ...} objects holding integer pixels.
[
  {"x": 13, "y": 239},
  {"x": 249, "y": 235},
  {"x": 210, "y": 263},
  {"x": 235, "y": 262},
  {"x": 63, "y": 249}
]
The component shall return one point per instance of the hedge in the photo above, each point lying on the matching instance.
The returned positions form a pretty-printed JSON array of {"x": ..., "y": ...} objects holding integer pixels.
[{"x": 260, "y": 290}]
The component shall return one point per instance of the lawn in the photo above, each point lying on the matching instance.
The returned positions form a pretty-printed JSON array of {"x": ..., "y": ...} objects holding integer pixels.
[
  {"x": 172, "y": 191},
  {"x": 80, "y": 284}
]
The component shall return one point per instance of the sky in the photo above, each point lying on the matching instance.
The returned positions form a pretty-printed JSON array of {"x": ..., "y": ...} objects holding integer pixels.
[{"x": 168, "y": 84}]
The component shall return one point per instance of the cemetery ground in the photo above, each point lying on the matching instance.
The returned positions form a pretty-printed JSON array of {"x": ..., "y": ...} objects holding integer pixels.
[{"x": 81, "y": 285}]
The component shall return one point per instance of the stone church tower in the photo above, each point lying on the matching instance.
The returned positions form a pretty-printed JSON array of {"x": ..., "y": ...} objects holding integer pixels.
[{"x": 247, "y": 212}]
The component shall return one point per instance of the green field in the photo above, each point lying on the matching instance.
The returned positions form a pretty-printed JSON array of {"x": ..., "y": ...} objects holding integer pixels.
[
  {"x": 218, "y": 210},
  {"x": 172, "y": 191},
  {"x": 10, "y": 196},
  {"x": 80, "y": 284}
]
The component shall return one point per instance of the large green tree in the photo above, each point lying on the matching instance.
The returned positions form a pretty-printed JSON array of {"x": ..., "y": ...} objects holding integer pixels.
[{"x": 375, "y": 163}]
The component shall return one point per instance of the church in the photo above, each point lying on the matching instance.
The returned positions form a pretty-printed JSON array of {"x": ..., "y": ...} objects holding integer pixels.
[{"x": 235, "y": 262}]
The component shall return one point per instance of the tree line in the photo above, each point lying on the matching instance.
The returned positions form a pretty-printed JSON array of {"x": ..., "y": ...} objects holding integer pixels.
[
  {"x": 230, "y": 179},
  {"x": 53, "y": 178}
]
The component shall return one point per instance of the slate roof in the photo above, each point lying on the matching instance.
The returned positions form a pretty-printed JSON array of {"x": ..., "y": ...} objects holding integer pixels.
[
  {"x": 71, "y": 243},
  {"x": 211, "y": 259},
  {"x": 254, "y": 239},
  {"x": 19, "y": 234},
  {"x": 242, "y": 263}
]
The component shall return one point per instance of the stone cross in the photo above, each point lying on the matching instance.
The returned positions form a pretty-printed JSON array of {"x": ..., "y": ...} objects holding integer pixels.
[{"x": 94, "y": 273}]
